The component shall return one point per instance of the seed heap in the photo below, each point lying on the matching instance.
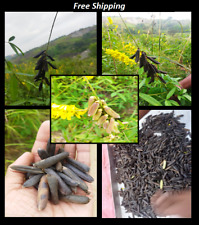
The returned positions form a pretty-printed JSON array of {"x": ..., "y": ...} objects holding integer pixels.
[
  {"x": 56, "y": 176},
  {"x": 162, "y": 160},
  {"x": 148, "y": 67},
  {"x": 42, "y": 66},
  {"x": 104, "y": 115}
]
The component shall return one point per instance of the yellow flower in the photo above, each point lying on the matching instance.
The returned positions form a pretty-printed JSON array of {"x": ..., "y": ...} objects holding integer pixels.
[
  {"x": 138, "y": 31},
  {"x": 66, "y": 111},
  {"x": 88, "y": 77},
  {"x": 110, "y": 20}
]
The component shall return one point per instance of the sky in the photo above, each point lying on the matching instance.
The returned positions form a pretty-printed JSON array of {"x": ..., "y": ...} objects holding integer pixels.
[
  {"x": 32, "y": 29},
  {"x": 164, "y": 15}
]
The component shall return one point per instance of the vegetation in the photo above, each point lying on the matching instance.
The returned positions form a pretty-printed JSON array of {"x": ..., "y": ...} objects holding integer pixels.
[{"x": 167, "y": 40}]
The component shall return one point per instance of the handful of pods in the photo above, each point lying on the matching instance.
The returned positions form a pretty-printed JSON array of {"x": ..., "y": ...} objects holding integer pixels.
[
  {"x": 56, "y": 177},
  {"x": 103, "y": 115}
]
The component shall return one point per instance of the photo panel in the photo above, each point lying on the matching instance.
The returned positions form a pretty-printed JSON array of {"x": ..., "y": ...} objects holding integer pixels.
[{"x": 94, "y": 109}]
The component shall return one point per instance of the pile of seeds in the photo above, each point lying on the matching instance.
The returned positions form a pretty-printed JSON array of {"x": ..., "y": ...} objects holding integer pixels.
[
  {"x": 162, "y": 160},
  {"x": 148, "y": 67},
  {"x": 104, "y": 115},
  {"x": 56, "y": 176}
]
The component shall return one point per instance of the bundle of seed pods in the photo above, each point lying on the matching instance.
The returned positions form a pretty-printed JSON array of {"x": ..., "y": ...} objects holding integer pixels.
[
  {"x": 104, "y": 115},
  {"x": 56, "y": 177}
]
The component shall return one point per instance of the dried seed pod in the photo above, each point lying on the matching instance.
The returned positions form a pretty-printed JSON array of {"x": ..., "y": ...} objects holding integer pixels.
[
  {"x": 68, "y": 180},
  {"x": 59, "y": 166},
  {"x": 137, "y": 55},
  {"x": 63, "y": 187},
  {"x": 111, "y": 112},
  {"x": 54, "y": 67},
  {"x": 51, "y": 58},
  {"x": 81, "y": 166},
  {"x": 39, "y": 54},
  {"x": 51, "y": 160},
  {"x": 102, "y": 119},
  {"x": 26, "y": 169},
  {"x": 133, "y": 56},
  {"x": 43, "y": 193},
  {"x": 53, "y": 186},
  {"x": 81, "y": 174},
  {"x": 42, "y": 153},
  {"x": 79, "y": 199},
  {"x": 72, "y": 175},
  {"x": 91, "y": 101},
  {"x": 32, "y": 180},
  {"x": 98, "y": 114},
  {"x": 162, "y": 80},
  {"x": 160, "y": 71},
  {"x": 93, "y": 109},
  {"x": 50, "y": 148},
  {"x": 46, "y": 80},
  {"x": 143, "y": 60},
  {"x": 40, "y": 86},
  {"x": 152, "y": 59}
]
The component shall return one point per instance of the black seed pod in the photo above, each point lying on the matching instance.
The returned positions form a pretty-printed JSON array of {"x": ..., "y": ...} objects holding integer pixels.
[{"x": 39, "y": 54}]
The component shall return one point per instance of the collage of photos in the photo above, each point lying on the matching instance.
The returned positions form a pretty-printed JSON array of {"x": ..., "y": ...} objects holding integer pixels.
[{"x": 98, "y": 132}]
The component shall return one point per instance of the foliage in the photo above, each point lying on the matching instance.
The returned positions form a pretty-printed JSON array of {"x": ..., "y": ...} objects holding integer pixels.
[
  {"x": 172, "y": 51},
  {"x": 119, "y": 92}
]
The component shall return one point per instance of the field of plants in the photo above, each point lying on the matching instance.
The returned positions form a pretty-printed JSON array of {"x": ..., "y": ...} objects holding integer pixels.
[
  {"x": 94, "y": 109},
  {"x": 167, "y": 43}
]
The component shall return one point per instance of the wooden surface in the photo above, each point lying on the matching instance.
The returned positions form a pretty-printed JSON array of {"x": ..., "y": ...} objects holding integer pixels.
[{"x": 93, "y": 173}]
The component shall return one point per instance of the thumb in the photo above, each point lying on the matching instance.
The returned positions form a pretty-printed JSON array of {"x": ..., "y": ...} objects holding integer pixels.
[{"x": 15, "y": 179}]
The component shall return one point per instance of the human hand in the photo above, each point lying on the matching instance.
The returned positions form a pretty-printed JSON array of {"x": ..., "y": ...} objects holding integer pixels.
[
  {"x": 21, "y": 202},
  {"x": 173, "y": 203}
]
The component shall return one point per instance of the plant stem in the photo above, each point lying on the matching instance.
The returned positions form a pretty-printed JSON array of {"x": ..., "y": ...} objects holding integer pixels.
[
  {"x": 51, "y": 31},
  {"x": 91, "y": 87}
]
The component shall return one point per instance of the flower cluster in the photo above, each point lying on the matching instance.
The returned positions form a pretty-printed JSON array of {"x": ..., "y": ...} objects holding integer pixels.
[
  {"x": 130, "y": 49},
  {"x": 103, "y": 115},
  {"x": 66, "y": 111},
  {"x": 120, "y": 56},
  {"x": 42, "y": 66}
]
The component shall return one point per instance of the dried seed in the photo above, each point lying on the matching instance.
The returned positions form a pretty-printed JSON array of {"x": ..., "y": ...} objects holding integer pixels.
[
  {"x": 53, "y": 185},
  {"x": 26, "y": 169},
  {"x": 161, "y": 184},
  {"x": 79, "y": 199},
  {"x": 81, "y": 166},
  {"x": 33, "y": 180},
  {"x": 51, "y": 160},
  {"x": 81, "y": 174},
  {"x": 43, "y": 193},
  {"x": 111, "y": 112},
  {"x": 164, "y": 164}
]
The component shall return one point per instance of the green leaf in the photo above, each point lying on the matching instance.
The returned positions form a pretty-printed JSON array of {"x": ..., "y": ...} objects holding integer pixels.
[
  {"x": 142, "y": 83},
  {"x": 150, "y": 99},
  {"x": 167, "y": 103},
  {"x": 19, "y": 50},
  {"x": 188, "y": 97},
  {"x": 11, "y": 38},
  {"x": 171, "y": 92},
  {"x": 14, "y": 48}
]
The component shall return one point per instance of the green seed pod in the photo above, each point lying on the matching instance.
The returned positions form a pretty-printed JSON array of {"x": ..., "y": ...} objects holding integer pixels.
[
  {"x": 93, "y": 109},
  {"x": 79, "y": 199},
  {"x": 111, "y": 112},
  {"x": 102, "y": 119},
  {"x": 98, "y": 114},
  {"x": 43, "y": 193},
  {"x": 91, "y": 101}
]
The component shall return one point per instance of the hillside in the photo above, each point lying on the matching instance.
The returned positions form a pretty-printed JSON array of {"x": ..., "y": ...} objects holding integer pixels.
[{"x": 81, "y": 42}]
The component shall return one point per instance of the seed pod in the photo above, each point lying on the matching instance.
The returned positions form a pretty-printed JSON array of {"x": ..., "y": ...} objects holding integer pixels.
[
  {"x": 110, "y": 126},
  {"x": 143, "y": 60},
  {"x": 26, "y": 169},
  {"x": 115, "y": 129},
  {"x": 81, "y": 166},
  {"x": 51, "y": 58},
  {"x": 81, "y": 174},
  {"x": 50, "y": 148},
  {"x": 39, "y": 54},
  {"x": 42, "y": 153},
  {"x": 153, "y": 60},
  {"x": 162, "y": 80},
  {"x": 68, "y": 180},
  {"x": 105, "y": 124},
  {"x": 46, "y": 80},
  {"x": 33, "y": 180},
  {"x": 63, "y": 187},
  {"x": 72, "y": 175},
  {"x": 40, "y": 86},
  {"x": 91, "y": 101},
  {"x": 59, "y": 166},
  {"x": 93, "y": 109},
  {"x": 78, "y": 199},
  {"x": 54, "y": 67},
  {"x": 111, "y": 112},
  {"x": 103, "y": 102},
  {"x": 102, "y": 119},
  {"x": 98, "y": 114},
  {"x": 160, "y": 71},
  {"x": 51, "y": 160},
  {"x": 132, "y": 57},
  {"x": 53, "y": 185},
  {"x": 43, "y": 193},
  {"x": 137, "y": 55}
]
